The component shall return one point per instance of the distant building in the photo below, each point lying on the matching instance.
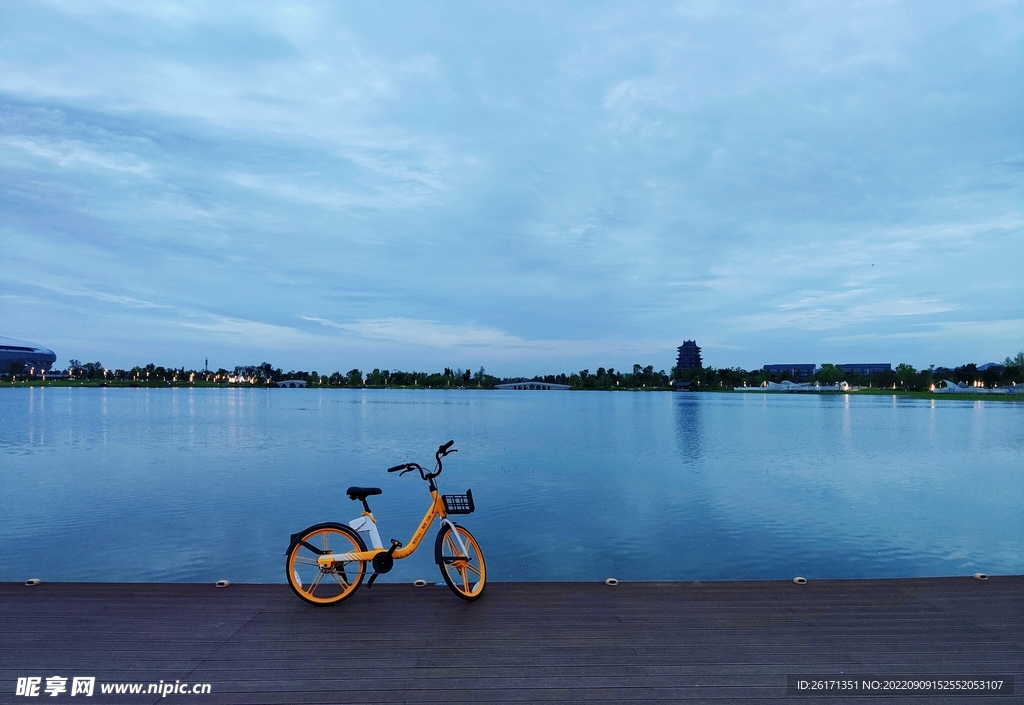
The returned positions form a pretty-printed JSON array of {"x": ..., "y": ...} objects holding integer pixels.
[
  {"x": 689, "y": 356},
  {"x": 865, "y": 368},
  {"x": 795, "y": 371},
  {"x": 17, "y": 356}
]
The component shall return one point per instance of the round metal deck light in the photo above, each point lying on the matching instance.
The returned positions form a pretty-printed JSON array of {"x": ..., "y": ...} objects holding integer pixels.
[
  {"x": 980, "y": 576},
  {"x": 222, "y": 583},
  {"x": 611, "y": 581},
  {"x": 419, "y": 583},
  {"x": 32, "y": 582},
  {"x": 800, "y": 581}
]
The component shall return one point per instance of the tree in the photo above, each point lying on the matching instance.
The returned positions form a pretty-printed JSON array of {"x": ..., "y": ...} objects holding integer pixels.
[
  {"x": 906, "y": 375},
  {"x": 1013, "y": 368},
  {"x": 354, "y": 378},
  {"x": 732, "y": 377},
  {"x": 93, "y": 370},
  {"x": 829, "y": 373},
  {"x": 266, "y": 372},
  {"x": 967, "y": 374},
  {"x": 884, "y": 379},
  {"x": 991, "y": 376}
]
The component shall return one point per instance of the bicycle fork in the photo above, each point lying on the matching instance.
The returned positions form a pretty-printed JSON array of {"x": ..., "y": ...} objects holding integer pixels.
[{"x": 462, "y": 552}]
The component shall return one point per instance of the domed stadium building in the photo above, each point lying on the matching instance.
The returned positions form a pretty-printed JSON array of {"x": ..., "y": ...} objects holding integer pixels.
[{"x": 19, "y": 357}]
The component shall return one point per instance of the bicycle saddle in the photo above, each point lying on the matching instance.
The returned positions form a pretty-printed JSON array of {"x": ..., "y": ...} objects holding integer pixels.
[{"x": 362, "y": 492}]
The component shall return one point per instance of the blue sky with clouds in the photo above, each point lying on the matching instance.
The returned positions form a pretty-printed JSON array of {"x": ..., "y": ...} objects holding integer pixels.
[{"x": 530, "y": 187}]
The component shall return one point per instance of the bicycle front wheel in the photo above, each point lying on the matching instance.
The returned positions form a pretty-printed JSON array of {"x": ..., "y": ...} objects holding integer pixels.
[
  {"x": 325, "y": 585},
  {"x": 463, "y": 571}
]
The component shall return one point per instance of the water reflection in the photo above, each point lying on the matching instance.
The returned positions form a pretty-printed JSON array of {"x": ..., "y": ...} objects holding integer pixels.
[
  {"x": 570, "y": 486},
  {"x": 689, "y": 418}
]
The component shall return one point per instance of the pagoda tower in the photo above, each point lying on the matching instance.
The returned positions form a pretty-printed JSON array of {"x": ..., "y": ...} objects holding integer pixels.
[{"x": 689, "y": 356}]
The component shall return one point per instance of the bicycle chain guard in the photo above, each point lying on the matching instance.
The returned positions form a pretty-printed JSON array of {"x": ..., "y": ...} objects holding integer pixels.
[{"x": 383, "y": 562}]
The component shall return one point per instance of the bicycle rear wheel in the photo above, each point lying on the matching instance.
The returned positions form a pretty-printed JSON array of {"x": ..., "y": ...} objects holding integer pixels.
[
  {"x": 325, "y": 585},
  {"x": 464, "y": 573}
]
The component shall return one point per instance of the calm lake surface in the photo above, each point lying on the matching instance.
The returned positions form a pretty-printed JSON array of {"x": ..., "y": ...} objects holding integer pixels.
[{"x": 204, "y": 484}]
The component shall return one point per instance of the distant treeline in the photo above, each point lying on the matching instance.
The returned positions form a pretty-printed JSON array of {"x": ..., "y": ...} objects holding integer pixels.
[
  {"x": 903, "y": 377},
  {"x": 707, "y": 378},
  {"x": 457, "y": 378},
  {"x": 266, "y": 374}
]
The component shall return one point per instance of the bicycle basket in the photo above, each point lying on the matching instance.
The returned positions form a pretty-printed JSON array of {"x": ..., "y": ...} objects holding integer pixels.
[{"x": 459, "y": 503}]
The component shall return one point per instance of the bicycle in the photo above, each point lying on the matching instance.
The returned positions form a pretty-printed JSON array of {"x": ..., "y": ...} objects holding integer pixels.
[{"x": 326, "y": 563}]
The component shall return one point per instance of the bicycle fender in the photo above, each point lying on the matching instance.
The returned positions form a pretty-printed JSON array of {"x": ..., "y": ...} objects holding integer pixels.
[{"x": 324, "y": 525}]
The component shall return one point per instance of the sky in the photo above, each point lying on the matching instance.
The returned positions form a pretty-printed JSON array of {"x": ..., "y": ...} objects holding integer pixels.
[{"x": 530, "y": 187}]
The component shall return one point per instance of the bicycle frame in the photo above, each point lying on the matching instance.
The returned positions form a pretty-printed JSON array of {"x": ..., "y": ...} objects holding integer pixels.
[{"x": 366, "y": 523}]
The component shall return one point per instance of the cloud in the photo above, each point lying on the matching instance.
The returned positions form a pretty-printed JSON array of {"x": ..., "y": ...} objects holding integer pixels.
[
  {"x": 67, "y": 153},
  {"x": 829, "y": 311},
  {"x": 1006, "y": 331},
  {"x": 251, "y": 334},
  {"x": 420, "y": 333},
  {"x": 551, "y": 187},
  {"x": 428, "y": 333},
  {"x": 80, "y": 292}
]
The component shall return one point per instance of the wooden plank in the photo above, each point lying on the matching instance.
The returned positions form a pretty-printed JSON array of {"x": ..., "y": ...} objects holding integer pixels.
[{"x": 555, "y": 642}]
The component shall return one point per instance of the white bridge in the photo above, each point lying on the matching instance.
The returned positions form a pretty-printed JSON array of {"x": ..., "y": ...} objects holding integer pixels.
[{"x": 531, "y": 385}]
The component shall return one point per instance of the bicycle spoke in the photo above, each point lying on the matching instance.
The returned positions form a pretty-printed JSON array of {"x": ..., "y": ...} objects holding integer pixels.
[
  {"x": 306, "y": 561},
  {"x": 315, "y": 584}
]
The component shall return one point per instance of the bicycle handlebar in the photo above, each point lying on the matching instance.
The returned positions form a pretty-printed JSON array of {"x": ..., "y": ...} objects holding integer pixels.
[{"x": 442, "y": 450}]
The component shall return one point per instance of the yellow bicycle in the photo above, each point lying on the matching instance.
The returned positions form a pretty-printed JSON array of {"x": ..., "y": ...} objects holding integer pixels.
[{"x": 327, "y": 562}]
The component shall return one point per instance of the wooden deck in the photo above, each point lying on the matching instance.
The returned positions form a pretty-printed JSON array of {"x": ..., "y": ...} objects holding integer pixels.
[{"x": 523, "y": 642}]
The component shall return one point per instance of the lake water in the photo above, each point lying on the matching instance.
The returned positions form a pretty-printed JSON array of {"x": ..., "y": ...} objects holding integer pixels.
[{"x": 203, "y": 484}]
